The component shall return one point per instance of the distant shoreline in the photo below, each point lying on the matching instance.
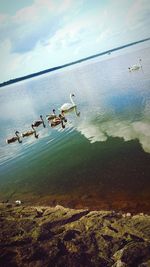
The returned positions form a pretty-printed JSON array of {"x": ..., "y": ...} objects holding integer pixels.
[{"x": 15, "y": 80}]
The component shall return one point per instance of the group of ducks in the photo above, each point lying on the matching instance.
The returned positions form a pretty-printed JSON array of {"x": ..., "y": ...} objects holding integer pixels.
[{"x": 53, "y": 120}]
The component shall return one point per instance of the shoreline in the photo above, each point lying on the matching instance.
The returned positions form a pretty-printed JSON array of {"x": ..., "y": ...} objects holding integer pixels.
[
  {"x": 133, "y": 206},
  {"x": 29, "y": 76}
]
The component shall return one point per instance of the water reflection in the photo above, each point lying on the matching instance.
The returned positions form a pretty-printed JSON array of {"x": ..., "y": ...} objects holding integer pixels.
[
  {"x": 113, "y": 103},
  {"x": 99, "y": 132}
]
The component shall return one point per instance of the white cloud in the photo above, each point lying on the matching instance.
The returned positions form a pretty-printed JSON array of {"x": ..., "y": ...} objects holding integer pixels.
[
  {"x": 37, "y": 23},
  {"x": 67, "y": 30},
  {"x": 124, "y": 129},
  {"x": 138, "y": 14},
  {"x": 3, "y": 18},
  {"x": 35, "y": 11}
]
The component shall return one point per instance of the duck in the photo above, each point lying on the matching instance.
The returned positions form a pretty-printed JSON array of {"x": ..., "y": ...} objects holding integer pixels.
[
  {"x": 136, "y": 66},
  {"x": 51, "y": 116},
  {"x": 68, "y": 107},
  {"x": 38, "y": 123},
  {"x": 14, "y": 138},
  {"x": 29, "y": 133},
  {"x": 56, "y": 121}
]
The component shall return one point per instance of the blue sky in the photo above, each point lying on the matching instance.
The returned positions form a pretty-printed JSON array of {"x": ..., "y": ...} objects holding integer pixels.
[{"x": 39, "y": 34}]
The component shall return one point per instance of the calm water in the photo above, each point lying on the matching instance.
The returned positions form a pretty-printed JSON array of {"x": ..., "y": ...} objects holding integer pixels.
[{"x": 102, "y": 158}]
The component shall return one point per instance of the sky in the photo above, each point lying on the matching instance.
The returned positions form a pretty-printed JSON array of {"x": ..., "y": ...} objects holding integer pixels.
[{"x": 40, "y": 34}]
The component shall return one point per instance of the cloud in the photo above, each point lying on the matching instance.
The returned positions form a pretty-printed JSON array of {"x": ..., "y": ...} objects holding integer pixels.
[
  {"x": 3, "y": 18},
  {"x": 99, "y": 132},
  {"x": 34, "y": 24},
  {"x": 138, "y": 14},
  {"x": 52, "y": 32}
]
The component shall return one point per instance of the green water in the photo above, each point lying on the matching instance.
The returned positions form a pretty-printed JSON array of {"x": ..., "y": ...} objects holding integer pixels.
[{"x": 102, "y": 158}]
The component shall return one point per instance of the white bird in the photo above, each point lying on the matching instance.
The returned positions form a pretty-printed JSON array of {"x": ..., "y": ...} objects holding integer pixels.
[
  {"x": 136, "y": 66},
  {"x": 68, "y": 107}
]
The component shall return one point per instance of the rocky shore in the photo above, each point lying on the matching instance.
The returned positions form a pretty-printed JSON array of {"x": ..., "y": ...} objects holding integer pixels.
[{"x": 58, "y": 236}]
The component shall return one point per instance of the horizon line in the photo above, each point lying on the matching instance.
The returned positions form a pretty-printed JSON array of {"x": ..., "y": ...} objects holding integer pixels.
[{"x": 34, "y": 74}]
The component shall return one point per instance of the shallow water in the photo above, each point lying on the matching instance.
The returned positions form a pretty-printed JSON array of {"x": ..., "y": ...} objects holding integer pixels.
[{"x": 102, "y": 158}]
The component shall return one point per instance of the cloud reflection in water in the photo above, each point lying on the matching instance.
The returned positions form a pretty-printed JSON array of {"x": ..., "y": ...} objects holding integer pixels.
[{"x": 100, "y": 131}]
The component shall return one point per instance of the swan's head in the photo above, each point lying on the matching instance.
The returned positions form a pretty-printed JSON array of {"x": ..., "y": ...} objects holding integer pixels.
[
  {"x": 53, "y": 110},
  {"x": 16, "y": 132},
  {"x": 41, "y": 116},
  {"x": 72, "y": 95}
]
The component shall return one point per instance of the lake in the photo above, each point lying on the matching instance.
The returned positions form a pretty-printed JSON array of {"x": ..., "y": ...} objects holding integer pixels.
[{"x": 101, "y": 160}]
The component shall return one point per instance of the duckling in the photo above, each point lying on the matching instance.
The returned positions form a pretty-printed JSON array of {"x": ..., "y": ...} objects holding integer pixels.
[
  {"x": 51, "y": 116},
  {"x": 63, "y": 116},
  {"x": 56, "y": 121},
  {"x": 38, "y": 123},
  {"x": 29, "y": 133},
  {"x": 14, "y": 139}
]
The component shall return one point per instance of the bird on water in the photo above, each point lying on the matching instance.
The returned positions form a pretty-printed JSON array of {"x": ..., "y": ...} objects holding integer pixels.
[{"x": 14, "y": 138}]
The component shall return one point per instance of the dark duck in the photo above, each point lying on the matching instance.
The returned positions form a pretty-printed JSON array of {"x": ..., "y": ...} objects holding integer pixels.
[
  {"x": 58, "y": 120},
  {"x": 30, "y": 132},
  {"x": 14, "y": 138},
  {"x": 38, "y": 123},
  {"x": 51, "y": 116}
]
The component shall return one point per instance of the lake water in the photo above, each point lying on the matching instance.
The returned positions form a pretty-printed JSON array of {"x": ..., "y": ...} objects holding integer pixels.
[{"x": 101, "y": 159}]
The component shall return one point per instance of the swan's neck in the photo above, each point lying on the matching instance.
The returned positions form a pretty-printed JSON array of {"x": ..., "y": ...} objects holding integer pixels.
[
  {"x": 17, "y": 135},
  {"x": 72, "y": 100},
  {"x": 140, "y": 62}
]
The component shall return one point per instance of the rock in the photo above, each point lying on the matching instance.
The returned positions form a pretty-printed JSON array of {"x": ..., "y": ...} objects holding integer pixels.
[
  {"x": 18, "y": 202},
  {"x": 145, "y": 264},
  {"x": 128, "y": 214},
  {"x": 119, "y": 263},
  {"x": 58, "y": 236},
  {"x": 135, "y": 253}
]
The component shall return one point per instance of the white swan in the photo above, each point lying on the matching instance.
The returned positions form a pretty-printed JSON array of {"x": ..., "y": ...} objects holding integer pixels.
[
  {"x": 136, "y": 66},
  {"x": 68, "y": 107}
]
